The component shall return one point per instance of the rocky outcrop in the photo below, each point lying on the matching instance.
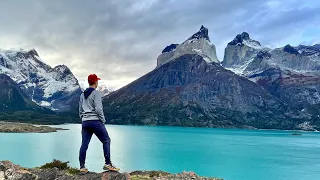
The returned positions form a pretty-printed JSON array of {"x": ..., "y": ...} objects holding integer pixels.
[
  {"x": 202, "y": 33},
  {"x": 296, "y": 59},
  {"x": 10, "y": 127},
  {"x": 10, "y": 171},
  {"x": 199, "y": 43},
  {"x": 170, "y": 48},
  {"x": 240, "y": 52}
]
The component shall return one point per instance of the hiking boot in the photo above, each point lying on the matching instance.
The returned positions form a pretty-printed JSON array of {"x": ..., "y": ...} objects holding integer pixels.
[
  {"x": 110, "y": 167},
  {"x": 83, "y": 170}
]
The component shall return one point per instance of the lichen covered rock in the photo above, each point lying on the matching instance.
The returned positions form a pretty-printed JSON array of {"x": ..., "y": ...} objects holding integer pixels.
[{"x": 10, "y": 171}]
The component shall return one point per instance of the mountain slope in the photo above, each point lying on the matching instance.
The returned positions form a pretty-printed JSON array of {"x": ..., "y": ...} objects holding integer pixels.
[
  {"x": 55, "y": 88},
  {"x": 16, "y": 106},
  {"x": 189, "y": 91},
  {"x": 13, "y": 99},
  {"x": 292, "y": 74}
]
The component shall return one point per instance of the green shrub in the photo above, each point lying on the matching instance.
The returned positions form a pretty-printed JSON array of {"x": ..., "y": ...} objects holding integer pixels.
[
  {"x": 56, "y": 164},
  {"x": 73, "y": 170}
]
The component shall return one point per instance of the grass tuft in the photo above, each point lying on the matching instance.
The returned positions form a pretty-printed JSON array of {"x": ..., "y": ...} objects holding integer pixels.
[
  {"x": 73, "y": 171},
  {"x": 56, "y": 164}
]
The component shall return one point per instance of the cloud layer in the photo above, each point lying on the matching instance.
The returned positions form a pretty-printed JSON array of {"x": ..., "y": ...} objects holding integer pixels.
[{"x": 121, "y": 39}]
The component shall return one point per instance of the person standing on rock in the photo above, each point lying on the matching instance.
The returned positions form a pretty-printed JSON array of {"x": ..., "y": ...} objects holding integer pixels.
[{"x": 91, "y": 114}]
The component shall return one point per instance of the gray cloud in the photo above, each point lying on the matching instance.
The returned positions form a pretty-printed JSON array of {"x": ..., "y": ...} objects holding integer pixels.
[{"x": 120, "y": 40}]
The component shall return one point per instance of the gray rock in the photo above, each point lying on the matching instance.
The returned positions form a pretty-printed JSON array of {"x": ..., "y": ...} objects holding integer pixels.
[
  {"x": 199, "y": 43},
  {"x": 240, "y": 51},
  {"x": 10, "y": 171}
]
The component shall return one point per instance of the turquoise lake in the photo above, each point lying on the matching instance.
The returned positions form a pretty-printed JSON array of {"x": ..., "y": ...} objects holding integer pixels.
[{"x": 232, "y": 154}]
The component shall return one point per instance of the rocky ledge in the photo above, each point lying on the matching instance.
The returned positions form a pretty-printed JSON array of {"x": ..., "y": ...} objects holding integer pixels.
[
  {"x": 11, "y": 127},
  {"x": 58, "y": 170}
]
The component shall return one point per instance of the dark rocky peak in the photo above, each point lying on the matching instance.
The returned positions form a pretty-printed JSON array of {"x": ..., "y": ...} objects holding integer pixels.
[
  {"x": 2, "y": 61},
  {"x": 240, "y": 38},
  {"x": 290, "y": 49},
  {"x": 264, "y": 54},
  {"x": 170, "y": 48},
  {"x": 26, "y": 54},
  {"x": 62, "y": 72},
  {"x": 317, "y": 46},
  {"x": 62, "y": 69},
  {"x": 308, "y": 50},
  {"x": 244, "y": 35},
  {"x": 33, "y": 52},
  {"x": 202, "y": 33}
]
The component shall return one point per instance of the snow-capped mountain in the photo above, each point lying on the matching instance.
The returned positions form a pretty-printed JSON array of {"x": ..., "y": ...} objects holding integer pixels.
[
  {"x": 13, "y": 99},
  {"x": 103, "y": 87},
  {"x": 189, "y": 87},
  {"x": 292, "y": 74},
  {"x": 245, "y": 56},
  {"x": 199, "y": 43},
  {"x": 240, "y": 52},
  {"x": 55, "y": 88}
]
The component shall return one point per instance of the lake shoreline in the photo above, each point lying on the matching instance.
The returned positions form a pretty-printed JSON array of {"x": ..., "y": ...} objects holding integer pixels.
[
  {"x": 286, "y": 130},
  {"x": 247, "y": 128},
  {"x": 14, "y": 127}
]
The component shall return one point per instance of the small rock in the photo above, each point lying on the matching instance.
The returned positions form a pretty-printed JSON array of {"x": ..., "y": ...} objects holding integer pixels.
[
  {"x": 296, "y": 134},
  {"x": 2, "y": 175}
]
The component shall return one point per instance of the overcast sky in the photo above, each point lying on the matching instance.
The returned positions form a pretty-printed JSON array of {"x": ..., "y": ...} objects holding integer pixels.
[{"x": 120, "y": 40}]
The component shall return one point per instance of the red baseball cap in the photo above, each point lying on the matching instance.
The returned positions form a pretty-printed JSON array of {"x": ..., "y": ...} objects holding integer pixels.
[{"x": 93, "y": 78}]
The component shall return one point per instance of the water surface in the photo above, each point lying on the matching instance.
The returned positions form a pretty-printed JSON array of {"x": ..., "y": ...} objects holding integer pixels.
[{"x": 227, "y": 153}]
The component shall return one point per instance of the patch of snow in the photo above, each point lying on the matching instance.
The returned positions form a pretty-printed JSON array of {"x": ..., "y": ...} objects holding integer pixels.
[
  {"x": 206, "y": 59},
  {"x": 253, "y": 44},
  {"x": 45, "y": 103},
  {"x": 240, "y": 69},
  {"x": 104, "y": 89},
  {"x": 197, "y": 50}
]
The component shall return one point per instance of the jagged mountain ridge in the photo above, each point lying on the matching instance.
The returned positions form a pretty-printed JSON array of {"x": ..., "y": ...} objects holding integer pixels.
[
  {"x": 292, "y": 74},
  {"x": 190, "y": 91},
  {"x": 199, "y": 43},
  {"x": 195, "y": 90},
  {"x": 55, "y": 88},
  {"x": 246, "y": 56}
]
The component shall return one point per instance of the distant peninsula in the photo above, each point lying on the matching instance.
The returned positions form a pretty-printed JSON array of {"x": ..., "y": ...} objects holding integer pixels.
[{"x": 13, "y": 127}]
